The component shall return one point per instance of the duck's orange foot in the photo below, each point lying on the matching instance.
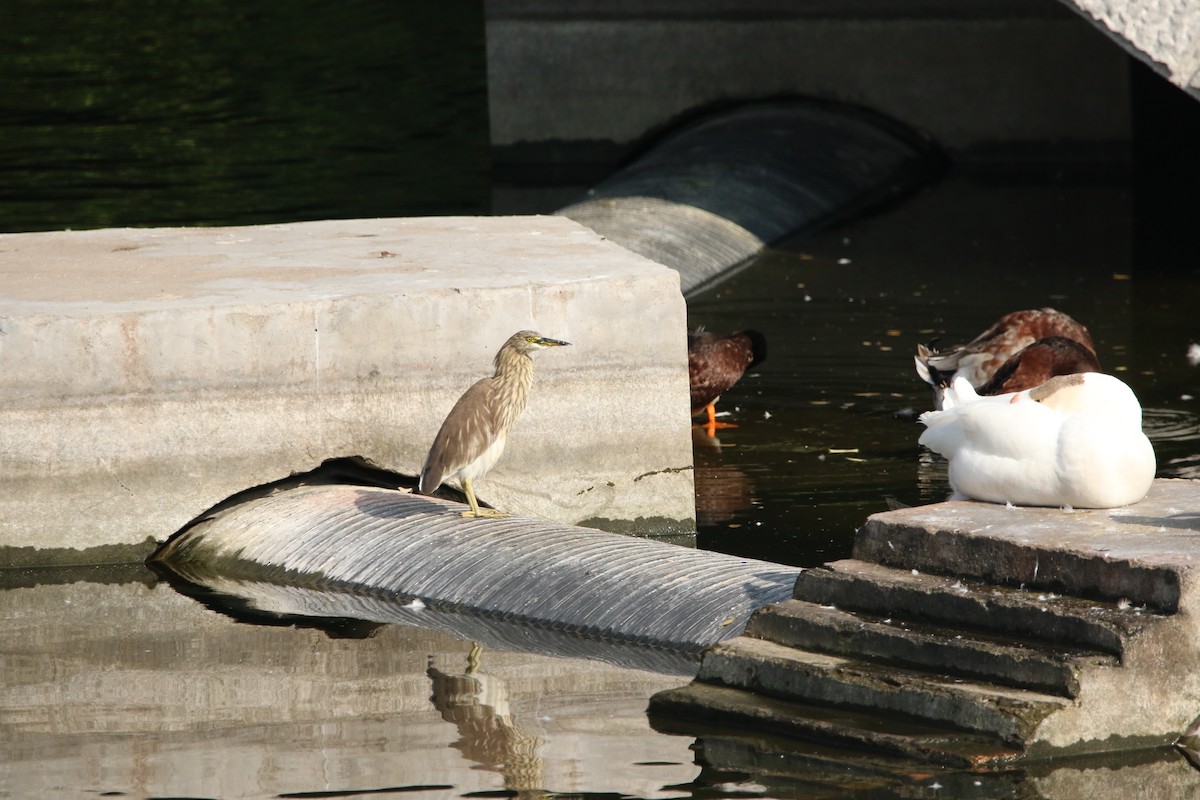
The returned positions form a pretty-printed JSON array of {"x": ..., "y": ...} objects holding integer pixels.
[{"x": 711, "y": 425}]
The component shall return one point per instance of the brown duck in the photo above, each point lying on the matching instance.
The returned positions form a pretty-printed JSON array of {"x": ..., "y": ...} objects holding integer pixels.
[
  {"x": 718, "y": 361},
  {"x": 1019, "y": 351}
]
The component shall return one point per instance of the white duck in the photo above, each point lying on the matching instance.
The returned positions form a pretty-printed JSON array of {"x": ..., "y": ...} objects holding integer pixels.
[{"x": 1075, "y": 440}]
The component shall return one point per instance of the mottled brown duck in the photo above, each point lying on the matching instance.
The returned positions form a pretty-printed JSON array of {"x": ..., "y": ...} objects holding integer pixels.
[{"x": 715, "y": 363}]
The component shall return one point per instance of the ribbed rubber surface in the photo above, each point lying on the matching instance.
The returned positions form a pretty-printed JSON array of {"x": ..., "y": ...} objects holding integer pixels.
[
  {"x": 249, "y": 601},
  {"x": 519, "y": 569}
]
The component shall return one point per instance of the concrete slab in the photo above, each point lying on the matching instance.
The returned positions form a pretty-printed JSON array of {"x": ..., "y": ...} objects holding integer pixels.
[
  {"x": 839, "y": 732},
  {"x": 150, "y": 373},
  {"x": 1145, "y": 554},
  {"x": 827, "y": 629},
  {"x": 1069, "y": 623},
  {"x": 818, "y": 755},
  {"x": 1012, "y": 715}
]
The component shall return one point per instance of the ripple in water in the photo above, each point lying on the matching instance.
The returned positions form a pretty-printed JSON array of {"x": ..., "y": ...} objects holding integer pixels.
[{"x": 1175, "y": 434}]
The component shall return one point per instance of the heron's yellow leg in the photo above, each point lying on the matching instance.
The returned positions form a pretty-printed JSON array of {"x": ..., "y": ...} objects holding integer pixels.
[
  {"x": 476, "y": 511},
  {"x": 469, "y": 490},
  {"x": 473, "y": 658}
]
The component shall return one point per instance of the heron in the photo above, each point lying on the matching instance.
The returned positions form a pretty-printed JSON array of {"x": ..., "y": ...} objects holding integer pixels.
[{"x": 472, "y": 438}]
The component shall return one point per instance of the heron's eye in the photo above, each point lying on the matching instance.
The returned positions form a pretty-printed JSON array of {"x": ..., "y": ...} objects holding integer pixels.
[{"x": 531, "y": 339}]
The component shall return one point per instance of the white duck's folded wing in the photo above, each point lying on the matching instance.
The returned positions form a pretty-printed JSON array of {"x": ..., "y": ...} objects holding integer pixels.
[
  {"x": 960, "y": 392},
  {"x": 1104, "y": 457},
  {"x": 1000, "y": 452},
  {"x": 1104, "y": 464},
  {"x": 1003, "y": 430}
]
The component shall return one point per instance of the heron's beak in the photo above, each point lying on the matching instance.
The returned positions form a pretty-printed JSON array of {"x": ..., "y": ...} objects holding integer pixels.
[{"x": 544, "y": 342}]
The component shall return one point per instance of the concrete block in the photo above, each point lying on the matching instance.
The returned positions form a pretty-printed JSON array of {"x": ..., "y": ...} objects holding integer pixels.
[
  {"x": 817, "y": 754},
  {"x": 955, "y": 603},
  {"x": 1163, "y": 33},
  {"x": 837, "y": 738},
  {"x": 1135, "y": 561},
  {"x": 968, "y": 75},
  {"x": 151, "y": 373},
  {"x": 1011, "y": 715},
  {"x": 826, "y": 629}
]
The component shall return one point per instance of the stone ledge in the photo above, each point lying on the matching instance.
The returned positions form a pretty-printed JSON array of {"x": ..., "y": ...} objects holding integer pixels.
[
  {"x": 1147, "y": 553},
  {"x": 151, "y": 373},
  {"x": 953, "y": 614}
]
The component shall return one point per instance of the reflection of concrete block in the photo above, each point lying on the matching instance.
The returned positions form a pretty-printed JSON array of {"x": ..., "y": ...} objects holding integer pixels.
[
  {"x": 142, "y": 689},
  {"x": 148, "y": 374}
]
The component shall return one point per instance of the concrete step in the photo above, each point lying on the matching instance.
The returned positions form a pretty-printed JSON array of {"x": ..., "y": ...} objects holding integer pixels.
[
  {"x": 1069, "y": 622},
  {"x": 1001, "y": 660},
  {"x": 891, "y": 741},
  {"x": 767, "y": 668},
  {"x": 1053, "y": 630},
  {"x": 1142, "y": 554}
]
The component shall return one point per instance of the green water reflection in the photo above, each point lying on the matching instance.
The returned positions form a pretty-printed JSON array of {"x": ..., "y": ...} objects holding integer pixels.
[{"x": 203, "y": 113}]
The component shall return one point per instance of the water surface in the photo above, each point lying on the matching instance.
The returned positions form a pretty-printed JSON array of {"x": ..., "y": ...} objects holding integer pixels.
[
  {"x": 114, "y": 684},
  {"x": 141, "y": 113}
]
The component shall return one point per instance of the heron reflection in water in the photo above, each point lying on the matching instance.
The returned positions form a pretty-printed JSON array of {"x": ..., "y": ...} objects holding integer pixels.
[{"x": 489, "y": 734}]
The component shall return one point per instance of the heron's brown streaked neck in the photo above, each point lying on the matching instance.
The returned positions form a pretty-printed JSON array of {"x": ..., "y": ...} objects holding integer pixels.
[{"x": 513, "y": 377}]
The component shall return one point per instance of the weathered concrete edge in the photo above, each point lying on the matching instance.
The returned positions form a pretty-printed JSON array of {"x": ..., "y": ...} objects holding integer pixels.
[
  {"x": 1145, "y": 701},
  {"x": 1146, "y": 554},
  {"x": 1164, "y": 34},
  {"x": 679, "y": 710},
  {"x": 156, "y": 408}
]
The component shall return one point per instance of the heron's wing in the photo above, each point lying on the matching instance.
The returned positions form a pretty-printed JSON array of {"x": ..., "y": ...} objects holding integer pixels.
[{"x": 469, "y": 429}]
